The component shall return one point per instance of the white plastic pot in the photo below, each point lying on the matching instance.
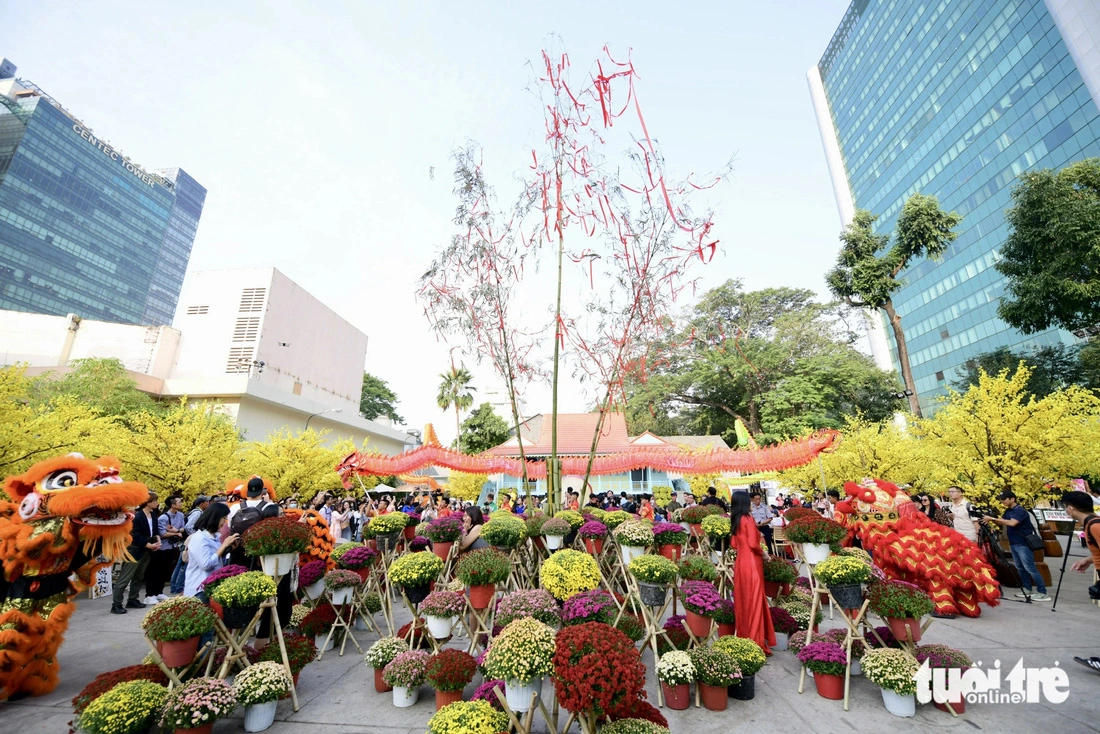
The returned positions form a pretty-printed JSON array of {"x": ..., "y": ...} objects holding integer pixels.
[
  {"x": 855, "y": 667},
  {"x": 343, "y": 595},
  {"x": 631, "y": 552},
  {"x": 898, "y": 705},
  {"x": 316, "y": 590},
  {"x": 518, "y": 694},
  {"x": 815, "y": 552},
  {"x": 319, "y": 641},
  {"x": 781, "y": 641},
  {"x": 553, "y": 542},
  {"x": 404, "y": 697},
  {"x": 360, "y": 624},
  {"x": 440, "y": 627},
  {"x": 260, "y": 716},
  {"x": 278, "y": 564}
]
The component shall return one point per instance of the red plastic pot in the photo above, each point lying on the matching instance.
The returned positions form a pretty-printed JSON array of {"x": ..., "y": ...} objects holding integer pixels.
[
  {"x": 442, "y": 698},
  {"x": 379, "y": 684},
  {"x": 677, "y": 698},
  {"x": 698, "y": 624},
  {"x": 671, "y": 552},
  {"x": 771, "y": 589},
  {"x": 218, "y": 609},
  {"x": 696, "y": 529},
  {"x": 482, "y": 596},
  {"x": 829, "y": 686},
  {"x": 726, "y": 630},
  {"x": 594, "y": 545},
  {"x": 177, "y": 653},
  {"x": 364, "y": 573},
  {"x": 204, "y": 729},
  {"x": 900, "y": 625},
  {"x": 959, "y": 706},
  {"x": 443, "y": 550},
  {"x": 410, "y": 532},
  {"x": 715, "y": 698}
]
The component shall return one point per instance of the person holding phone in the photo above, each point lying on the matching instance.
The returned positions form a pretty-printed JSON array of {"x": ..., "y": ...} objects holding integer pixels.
[{"x": 205, "y": 553}]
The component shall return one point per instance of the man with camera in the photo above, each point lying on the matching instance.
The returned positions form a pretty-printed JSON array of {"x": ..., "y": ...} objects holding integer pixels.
[{"x": 1017, "y": 522}]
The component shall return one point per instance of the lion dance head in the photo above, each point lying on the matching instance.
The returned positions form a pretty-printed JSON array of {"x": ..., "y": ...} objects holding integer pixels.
[{"x": 872, "y": 502}]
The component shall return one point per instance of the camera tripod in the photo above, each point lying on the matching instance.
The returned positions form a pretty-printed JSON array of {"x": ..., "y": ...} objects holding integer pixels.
[{"x": 989, "y": 542}]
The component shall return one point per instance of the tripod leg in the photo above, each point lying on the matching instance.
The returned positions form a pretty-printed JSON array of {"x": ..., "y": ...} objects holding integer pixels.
[{"x": 1065, "y": 559}]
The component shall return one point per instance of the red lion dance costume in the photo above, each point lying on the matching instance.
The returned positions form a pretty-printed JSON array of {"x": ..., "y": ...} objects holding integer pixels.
[
  {"x": 907, "y": 545},
  {"x": 68, "y": 518}
]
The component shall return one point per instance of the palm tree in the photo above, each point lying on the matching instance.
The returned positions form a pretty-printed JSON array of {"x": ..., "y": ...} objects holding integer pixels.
[{"x": 455, "y": 390}]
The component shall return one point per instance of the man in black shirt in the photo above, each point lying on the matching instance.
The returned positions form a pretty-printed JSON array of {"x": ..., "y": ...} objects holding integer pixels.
[{"x": 712, "y": 498}]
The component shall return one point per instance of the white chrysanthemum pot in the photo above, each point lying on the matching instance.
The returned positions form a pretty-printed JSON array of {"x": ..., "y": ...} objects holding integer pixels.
[
  {"x": 899, "y": 705},
  {"x": 405, "y": 697},
  {"x": 630, "y": 552},
  {"x": 278, "y": 564},
  {"x": 553, "y": 542},
  {"x": 316, "y": 590},
  {"x": 260, "y": 716},
  {"x": 518, "y": 694},
  {"x": 440, "y": 627},
  {"x": 815, "y": 553},
  {"x": 343, "y": 595}
]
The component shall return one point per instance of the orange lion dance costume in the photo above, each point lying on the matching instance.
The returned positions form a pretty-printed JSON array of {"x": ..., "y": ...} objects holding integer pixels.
[
  {"x": 907, "y": 545},
  {"x": 69, "y": 517}
]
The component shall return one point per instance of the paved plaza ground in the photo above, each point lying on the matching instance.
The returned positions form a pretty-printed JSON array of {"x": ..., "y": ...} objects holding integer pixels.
[{"x": 337, "y": 693}]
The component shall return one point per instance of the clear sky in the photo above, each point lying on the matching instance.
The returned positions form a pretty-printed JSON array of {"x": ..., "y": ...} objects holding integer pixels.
[{"x": 323, "y": 132}]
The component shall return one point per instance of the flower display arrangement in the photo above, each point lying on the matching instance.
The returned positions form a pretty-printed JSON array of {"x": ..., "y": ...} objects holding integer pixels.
[
  {"x": 318, "y": 622},
  {"x": 825, "y": 658},
  {"x": 593, "y": 529},
  {"x": 675, "y": 636},
  {"x": 635, "y": 534},
  {"x": 310, "y": 573},
  {"x": 892, "y": 669},
  {"x": 797, "y": 513},
  {"x": 283, "y": 534},
  {"x": 445, "y": 529},
  {"x": 298, "y": 612},
  {"x": 589, "y": 606},
  {"x": 668, "y": 533},
  {"x": 418, "y": 543},
  {"x": 178, "y": 618},
  {"x": 504, "y": 532},
  {"x": 716, "y": 527},
  {"x": 569, "y": 572},
  {"x": 724, "y": 614},
  {"x": 713, "y": 667},
  {"x": 535, "y": 521},
  {"x": 594, "y": 513},
  {"x": 780, "y": 571},
  {"x": 468, "y": 717},
  {"x": 630, "y": 626},
  {"x": 537, "y": 603},
  {"x": 653, "y": 569},
  {"x": 633, "y": 726},
  {"x": 261, "y": 683},
  {"x": 482, "y": 567},
  {"x": 523, "y": 651},
  {"x": 388, "y": 524},
  {"x": 556, "y": 526},
  {"x": 675, "y": 668},
  {"x": 857, "y": 553},
  {"x": 698, "y": 568},
  {"x": 574, "y": 518},
  {"x": 695, "y": 514},
  {"x": 340, "y": 549},
  {"x": 886, "y": 635},
  {"x": 106, "y": 681},
  {"x": 406, "y": 669},
  {"x": 381, "y": 653},
  {"x": 802, "y": 638},
  {"x": 615, "y": 518},
  {"x": 373, "y": 602},
  {"x": 416, "y": 569},
  {"x": 341, "y": 579},
  {"x": 484, "y": 692},
  {"x": 245, "y": 590},
  {"x": 596, "y": 668},
  {"x": 816, "y": 529},
  {"x": 839, "y": 635},
  {"x": 783, "y": 622},
  {"x": 128, "y": 708},
  {"x": 197, "y": 702},
  {"x": 893, "y": 598},
  {"x": 225, "y": 572},
  {"x": 836, "y": 570},
  {"x": 358, "y": 557},
  {"x": 300, "y": 652},
  {"x": 700, "y": 597},
  {"x": 443, "y": 604},
  {"x": 750, "y": 657},
  {"x": 942, "y": 656},
  {"x": 450, "y": 670},
  {"x": 800, "y": 612}
]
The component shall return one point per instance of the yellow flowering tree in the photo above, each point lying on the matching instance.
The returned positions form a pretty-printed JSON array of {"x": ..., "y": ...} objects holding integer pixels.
[
  {"x": 297, "y": 462},
  {"x": 466, "y": 486},
  {"x": 995, "y": 436}
]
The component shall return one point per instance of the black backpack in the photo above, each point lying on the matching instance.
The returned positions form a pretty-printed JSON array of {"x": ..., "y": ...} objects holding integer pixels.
[{"x": 247, "y": 516}]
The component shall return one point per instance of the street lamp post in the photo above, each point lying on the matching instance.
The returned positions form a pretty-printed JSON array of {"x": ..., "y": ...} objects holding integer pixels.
[{"x": 330, "y": 410}]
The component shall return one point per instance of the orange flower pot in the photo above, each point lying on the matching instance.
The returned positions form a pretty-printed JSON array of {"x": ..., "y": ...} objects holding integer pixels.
[
  {"x": 204, "y": 729},
  {"x": 443, "y": 550},
  {"x": 594, "y": 545},
  {"x": 443, "y": 698},
  {"x": 959, "y": 706},
  {"x": 698, "y": 624},
  {"x": 715, "y": 698},
  {"x": 829, "y": 686},
  {"x": 677, "y": 698},
  {"x": 364, "y": 573},
  {"x": 671, "y": 552},
  {"x": 899, "y": 626},
  {"x": 771, "y": 589},
  {"x": 410, "y": 532},
  {"x": 379, "y": 684},
  {"x": 482, "y": 596},
  {"x": 726, "y": 630},
  {"x": 176, "y": 653}
]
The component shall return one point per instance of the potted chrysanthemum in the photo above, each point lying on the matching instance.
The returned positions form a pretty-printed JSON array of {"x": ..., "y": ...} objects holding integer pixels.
[
  {"x": 468, "y": 717},
  {"x": 387, "y": 530},
  {"x": 242, "y": 595},
  {"x": 128, "y": 708},
  {"x": 504, "y": 533},
  {"x": 521, "y": 655},
  {"x": 827, "y": 661},
  {"x": 669, "y": 537},
  {"x": 845, "y": 576},
  {"x": 277, "y": 542},
  {"x": 942, "y": 656},
  {"x": 784, "y": 625},
  {"x": 176, "y": 626},
  {"x": 441, "y": 610},
  {"x": 444, "y": 532},
  {"x": 358, "y": 559},
  {"x": 569, "y": 572},
  {"x": 654, "y": 574},
  {"x": 553, "y": 530},
  {"x": 405, "y": 673},
  {"x": 715, "y": 672},
  {"x": 817, "y": 536},
  {"x": 633, "y": 537},
  {"x": 750, "y": 659},
  {"x": 593, "y": 533},
  {"x": 300, "y": 652},
  {"x": 700, "y": 600},
  {"x": 449, "y": 671},
  {"x": 894, "y": 671},
  {"x": 341, "y": 585},
  {"x": 481, "y": 570},
  {"x": 311, "y": 579},
  {"x": 588, "y": 606},
  {"x": 717, "y": 530},
  {"x": 196, "y": 705},
  {"x": 725, "y": 617},
  {"x": 537, "y": 603},
  {"x": 380, "y": 654},
  {"x": 414, "y": 572},
  {"x": 697, "y": 568},
  {"x": 317, "y": 624},
  {"x": 675, "y": 671},
  {"x": 902, "y": 605},
  {"x": 779, "y": 574},
  {"x": 259, "y": 688},
  {"x": 211, "y": 582}
]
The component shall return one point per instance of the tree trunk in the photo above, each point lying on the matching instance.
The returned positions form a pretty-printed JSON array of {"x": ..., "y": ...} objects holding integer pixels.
[
  {"x": 458, "y": 428},
  {"x": 903, "y": 357}
]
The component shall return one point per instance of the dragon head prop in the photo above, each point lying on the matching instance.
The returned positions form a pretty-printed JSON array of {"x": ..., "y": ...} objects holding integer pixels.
[
  {"x": 874, "y": 499},
  {"x": 87, "y": 494}
]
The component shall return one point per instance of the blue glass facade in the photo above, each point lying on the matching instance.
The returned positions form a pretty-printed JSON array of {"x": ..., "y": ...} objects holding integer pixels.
[
  {"x": 82, "y": 229},
  {"x": 954, "y": 98}
]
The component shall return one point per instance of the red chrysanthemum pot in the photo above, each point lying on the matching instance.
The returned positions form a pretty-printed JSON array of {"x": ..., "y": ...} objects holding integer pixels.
[
  {"x": 364, "y": 573},
  {"x": 671, "y": 552},
  {"x": 443, "y": 550},
  {"x": 482, "y": 596},
  {"x": 594, "y": 545},
  {"x": 677, "y": 698},
  {"x": 218, "y": 609},
  {"x": 829, "y": 686},
  {"x": 727, "y": 630},
  {"x": 715, "y": 698},
  {"x": 176, "y": 653},
  {"x": 379, "y": 684},
  {"x": 698, "y": 624},
  {"x": 771, "y": 589},
  {"x": 899, "y": 626},
  {"x": 443, "y": 698}
]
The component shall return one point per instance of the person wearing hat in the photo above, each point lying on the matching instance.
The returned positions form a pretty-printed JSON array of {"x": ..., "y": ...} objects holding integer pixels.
[{"x": 1017, "y": 522}]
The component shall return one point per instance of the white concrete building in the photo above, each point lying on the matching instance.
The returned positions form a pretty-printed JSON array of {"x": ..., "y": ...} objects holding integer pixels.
[{"x": 252, "y": 340}]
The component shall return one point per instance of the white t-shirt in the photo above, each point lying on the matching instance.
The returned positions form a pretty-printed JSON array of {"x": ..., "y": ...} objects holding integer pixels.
[{"x": 961, "y": 520}]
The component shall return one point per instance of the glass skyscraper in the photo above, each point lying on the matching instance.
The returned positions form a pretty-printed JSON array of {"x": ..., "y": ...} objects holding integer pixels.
[
  {"x": 83, "y": 229},
  {"x": 955, "y": 98}
]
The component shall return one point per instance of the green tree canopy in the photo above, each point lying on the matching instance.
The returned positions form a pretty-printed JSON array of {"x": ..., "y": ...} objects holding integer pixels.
[
  {"x": 1052, "y": 256},
  {"x": 1050, "y": 368},
  {"x": 100, "y": 384},
  {"x": 483, "y": 429},
  {"x": 378, "y": 399}
]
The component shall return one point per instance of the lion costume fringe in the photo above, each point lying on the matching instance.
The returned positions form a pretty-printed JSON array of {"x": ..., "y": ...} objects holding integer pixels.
[{"x": 68, "y": 518}]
